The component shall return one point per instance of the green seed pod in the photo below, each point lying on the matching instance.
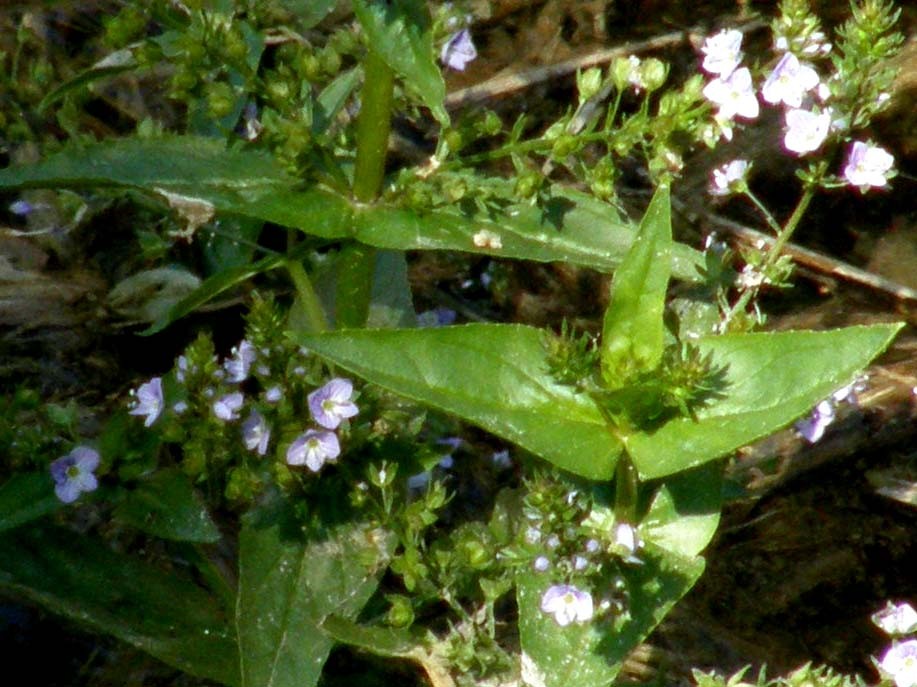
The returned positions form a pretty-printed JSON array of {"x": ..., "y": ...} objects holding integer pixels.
[{"x": 400, "y": 612}]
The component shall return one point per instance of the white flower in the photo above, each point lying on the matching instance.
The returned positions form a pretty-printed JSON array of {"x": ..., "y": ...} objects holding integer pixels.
[
  {"x": 726, "y": 179},
  {"x": 149, "y": 401},
  {"x": 567, "y": 604},
  {"x": 458, "y": 51},
  {"x": 227, "y": 407},
  {"x": 867, "y": 166},
  {"x": 806, "y": 131},
  {"x": 331, "y": 405},
  {"x": 627, "y": 542},
  {"x": 255, "y": 433},
  {"x": 239, "y": 365},
  {"x": 896, "y": 619},
  {"x": 734, "y": 95},
  {"x": 73, "y": 473},
  {"x": 789, "y": 81},
  {"x": 313, "y": 449},
  {"x": 722, "y": 52},
  {"x": 900, "y": 663}
]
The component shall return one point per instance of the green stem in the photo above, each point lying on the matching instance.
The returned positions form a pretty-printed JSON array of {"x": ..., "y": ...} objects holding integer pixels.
[
  {"x": 374, "y": 124},
  {"x": 768, "y": 217},
  {"x": 773, "y": 254},
  {"x": 626, "y": 486},
  {"x": 310, "y": 307}
]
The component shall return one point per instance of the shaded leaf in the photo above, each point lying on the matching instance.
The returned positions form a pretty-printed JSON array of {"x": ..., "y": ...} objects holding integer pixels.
[
  {"x": 155, "y": 610},
  {"x": 685, "y": 511},
  {"x": 772, "y": 378},
  {"x": 492, "y": 375},
  {"x": 25, "y": 497},
  {"x": 401, "y": 33},
  {"x": 166, "y": 506},
  {"x": 290, "y": 582},
  {"x": 591, "y": 654}
]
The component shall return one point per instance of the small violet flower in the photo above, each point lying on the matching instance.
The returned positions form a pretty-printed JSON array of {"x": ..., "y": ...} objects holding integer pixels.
[
  {"x": 21, "y": 208},
  {"x": 255, "y": 433},
  {"x": 227, "y": 407},
  {"x": 73, "y": 473},
  {"x": 900, "y": 663},
  {"x": 313, "y": 449},
  {"x": 149, "y": 401},
  {"x": 458, "y": 51},
  {"x": 729, "y": 178},
  {"x": 331, "y": 405},
  {"x": 789, "y": 81},
  {"x": 437, "y": 317},
  {"x": 240, "y": 364},
  {"x": 722, "y": 53},
  {"x": 541, "y": 564},
  {"x": 812, "y": 428},
  {"x": 806, "y": 131},
  {"x": 867, "y": 166},
  {"x": 273, "y": 394},
  {"x": 896, "y": 619},
  {"x": 734, "y": 95},
  {"x": 567, "y": 604}
]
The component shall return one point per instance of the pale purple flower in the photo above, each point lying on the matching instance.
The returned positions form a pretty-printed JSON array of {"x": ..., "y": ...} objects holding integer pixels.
[
  {"x": 437, "y": 317},
  {"x": 240, "y": 364},
  {"x": 148, "y": 401},
  {"x": 628, "y": 542},
  {"x": 274, "y": 394},
  {"x": 806, "y": 131},
  {"x": 501, "y": 460},
  {"x": 567, "y": 604},
  {"x": 256, "y": 433},
  {"x": 458, "y": 51},
  {"x": 541, "y": 564},
  {"x": 896, "y": 619},
  {"x": 533, "y": 535},
  {"x": 21, "y": 208},
  {"x": 331, "y": 405},
  {"x": 313, "y": 449},
  {"x": 867, "y": 166},
  {"x": 446, "y": 462},
  {"x": 734, "y": 95},
  {"x": 227, "y": 407},
  {"x": 728, "y": 178},
  {"x": 553, "y": 541},
  {"x": 419, "y": 481},
  {"x": 181, "y": 368},
  {"x": 592, "y": 546},
  {"x": 73, "y": 473},
  {"x": 580, "y": 563},
  {"x": 722, "y": 52},
  {"x": 179, "y": 407},
  {"x": 789, "y": 82},
  {"x": 900, "y": 663},
  {"x": 813, "y": 427}
]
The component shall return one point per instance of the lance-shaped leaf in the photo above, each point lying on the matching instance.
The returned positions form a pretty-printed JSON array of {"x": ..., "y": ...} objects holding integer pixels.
[
  {"x": 289, "y": 582},
  {"x": 200, "y": 176},
  {"x": 400, "y": 32},
  {"x": 591, "y": 654},
  {"x": 633, "y": 335},
  {"x": 158, "y": 611},
  {"x": 26, "y": 496},
  {"x": 492, "y": 375},
  {"x": 772, "y": 378}
]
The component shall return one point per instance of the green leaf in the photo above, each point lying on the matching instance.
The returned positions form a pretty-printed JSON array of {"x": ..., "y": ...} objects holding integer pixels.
[
  {"x": 115, "y": 63},
  {"x": 155, "y": 610},
  {"x": 573, "y": 228},
  {"x": 332, "y": 99},
  {"x": 492, "y": 375},
  {"x": 383, "y": 641},
  {"x": 289, "y": 583},
  {"x": 25, "y": 497},
  {"x": 400, "y": 32},
  {"x": 633, "y": 336},
  {"x": 772, "y": 378},
  {"x": 591, "y": 654},
  {"x": 167, "y": 506},
  {"x": 199, "y": 175},
  {"x": 309, "y": 12},
  {"x": 685, "y": 511}
]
